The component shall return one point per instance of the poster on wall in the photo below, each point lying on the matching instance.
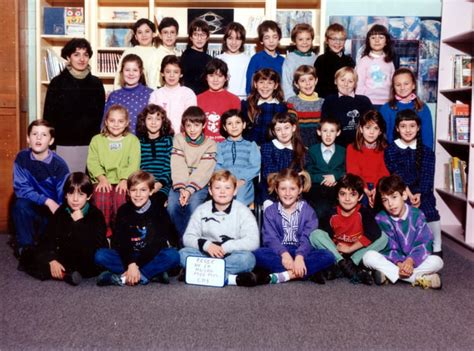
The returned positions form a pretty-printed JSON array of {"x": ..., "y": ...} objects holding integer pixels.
[
  {"x": 416, "y": 45},
  {"x": 217, "y": 19}
]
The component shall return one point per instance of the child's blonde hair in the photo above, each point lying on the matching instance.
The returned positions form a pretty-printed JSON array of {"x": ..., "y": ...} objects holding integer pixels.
[
  {"x": 223, "y": 175},
  {"x": 343, "y": 71},
  {"x": 302, "y": 179},
  {"x": 113, "y": 108}
]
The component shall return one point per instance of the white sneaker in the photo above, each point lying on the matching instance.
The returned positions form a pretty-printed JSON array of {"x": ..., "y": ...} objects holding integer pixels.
[{"x": 428, "y": 281}]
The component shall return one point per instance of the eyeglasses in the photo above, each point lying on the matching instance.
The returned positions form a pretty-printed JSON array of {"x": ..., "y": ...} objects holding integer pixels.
[
  {"x": 199, "y": 35},
  {"x": 337, "y": 40}
]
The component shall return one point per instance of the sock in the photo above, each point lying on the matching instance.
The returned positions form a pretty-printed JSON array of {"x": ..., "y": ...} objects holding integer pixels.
[
  {"x": 232, "y": 279},
  {"x": 276, "y": 278}
]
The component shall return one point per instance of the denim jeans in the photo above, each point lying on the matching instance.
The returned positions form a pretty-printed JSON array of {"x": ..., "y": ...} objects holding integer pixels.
[
  {"x": 166, "y": 259},
  {"x": 180, "y": 215},
  {"x": 237, "y": 262},
  {"x": 315, "y": 260},
  {"x": 30, "y": 221}
]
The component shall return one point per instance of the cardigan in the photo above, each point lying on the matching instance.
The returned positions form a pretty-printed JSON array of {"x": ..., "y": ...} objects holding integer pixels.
[
  {"x": 403, "y": 162},
  {"x": 242, "y": 158},
  {"x": 326, "y": 66},
  {"x": 192, "y": 165},
  {"x": 133, "y": 99},
  {"x": 258, "y": 129},
  {"x": 407, "y": 237},
  {"x": 273, "y": 234},
  {"x": 262, "y": 60},
  {"x": 115, "y": 159},
  {"x": 389, "y": 114},
  {"x": 74, "y": 107},
  {"x": 234, "y": 229},
  {"x": 317, "y": 167},
  {"x": 155, "y": 158},
  {"x": 347, "y": 110}
]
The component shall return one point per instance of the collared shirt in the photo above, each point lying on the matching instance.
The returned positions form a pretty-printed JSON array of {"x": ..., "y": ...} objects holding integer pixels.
[
  {"x": 280, "y": 146},
  {"x": 328, "y": 151},
  {"x": 226, "y": 211},
  {"x": 402, "y": 218},
  {"x": 353, "y": 94},
  {"x": 272, "y": 101},
  {"x": 290, "y": 223},
  {"x": 399, "y": 142}
]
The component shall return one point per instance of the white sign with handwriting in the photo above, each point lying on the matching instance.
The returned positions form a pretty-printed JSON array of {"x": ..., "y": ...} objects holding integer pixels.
[{"x": 205, "y": 271}]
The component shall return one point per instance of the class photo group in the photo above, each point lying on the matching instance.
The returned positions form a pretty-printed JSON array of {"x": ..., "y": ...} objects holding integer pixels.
[{"x": 298, "y": 167}]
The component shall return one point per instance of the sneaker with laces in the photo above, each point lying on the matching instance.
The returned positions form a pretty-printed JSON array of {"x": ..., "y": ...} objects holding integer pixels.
[
  {"x": 429, "y": 281},
  {"x": 364, "y": 276},
  {"x": 379, "y": 278},
  {"x": 108, "y": 278}
]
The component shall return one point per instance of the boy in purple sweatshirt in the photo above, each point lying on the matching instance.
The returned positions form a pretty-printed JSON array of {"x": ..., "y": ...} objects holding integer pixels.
[{"x": 408, "y": 255}]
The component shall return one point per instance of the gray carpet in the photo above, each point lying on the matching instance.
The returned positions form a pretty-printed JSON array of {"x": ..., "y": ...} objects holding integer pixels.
[{"x": 297, "y": 315}]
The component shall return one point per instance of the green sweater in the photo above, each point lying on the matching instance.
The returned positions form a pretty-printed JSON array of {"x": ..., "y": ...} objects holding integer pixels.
[
  {"x": 317, "y": 167},
  {"x": 114, "y": 159}
]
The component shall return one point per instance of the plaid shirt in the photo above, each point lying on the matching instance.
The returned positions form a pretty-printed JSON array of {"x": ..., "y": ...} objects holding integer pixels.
[{"x": 290, "y": 224}]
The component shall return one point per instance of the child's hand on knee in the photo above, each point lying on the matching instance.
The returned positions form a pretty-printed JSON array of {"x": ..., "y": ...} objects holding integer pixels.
[
  {"x": 103, "y": 186},
  {"x": 215, "y": 251},
  {"x": 287, "y": 261},
  {"x": 121, "y": 187},
  {"x": 132, "y": 275},
  {"x": 299, "y": 266}
]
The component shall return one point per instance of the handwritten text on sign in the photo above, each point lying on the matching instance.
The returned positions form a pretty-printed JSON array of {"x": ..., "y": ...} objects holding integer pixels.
[{"x": 205, "y": 271}]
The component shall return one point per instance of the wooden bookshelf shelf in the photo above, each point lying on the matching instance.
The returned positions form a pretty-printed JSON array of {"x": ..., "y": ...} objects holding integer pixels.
[
  {"x": 463, "y": 94},
  {"x": 453, "y": 143},
  {"x": 463, "y": 42},
  {"x": 452, "y": 194}
]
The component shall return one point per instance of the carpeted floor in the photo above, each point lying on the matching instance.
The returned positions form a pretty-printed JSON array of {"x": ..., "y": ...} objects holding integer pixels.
[{"x": 299, "y": 315}]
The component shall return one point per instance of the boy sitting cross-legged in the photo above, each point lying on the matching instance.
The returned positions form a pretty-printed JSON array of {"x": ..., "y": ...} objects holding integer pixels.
[
  {"x": 349, "y": 232},
  {"x": 143, "y": 235},
  {"x": 224, "y": 228},
  {"x": 409, "y": 253}
]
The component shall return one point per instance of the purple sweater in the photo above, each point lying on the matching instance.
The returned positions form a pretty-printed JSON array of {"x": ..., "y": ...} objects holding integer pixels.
[
  {"x": 407, "y": 237},
  {"x": 272, "y": 231}
]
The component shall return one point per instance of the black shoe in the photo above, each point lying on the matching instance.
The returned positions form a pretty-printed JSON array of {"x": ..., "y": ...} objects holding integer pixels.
[
  {"x": 263, "y": 276},
  {"x": 162, "y": 278},
  {"x": 73, "y": 278},
  {"x": 247, "y": 279},
  {"x": 332, "y": 272},
  {"x": 318, "y": 278},
  {"x": 365, "y": 277},
  {"x": 174, "y": 272},
  {"x": 348, "y": 268}
]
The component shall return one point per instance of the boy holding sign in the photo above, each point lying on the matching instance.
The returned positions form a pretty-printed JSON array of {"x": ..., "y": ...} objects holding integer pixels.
[{"x": 224, "y": 228}]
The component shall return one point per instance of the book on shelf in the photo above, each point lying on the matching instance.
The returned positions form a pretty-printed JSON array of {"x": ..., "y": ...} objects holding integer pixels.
[
  {"x": 53, "y": 64},
  {"x": 459, "y": 117},
  {"x": 63, "y": 21},
  {"x": 457, "y": 176},
  {"x": 462, "y": 71}
]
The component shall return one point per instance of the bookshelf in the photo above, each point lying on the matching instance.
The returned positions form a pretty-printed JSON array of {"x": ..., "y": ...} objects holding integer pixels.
[
  {"x": 103, "y": 17},
  {"x": 457, "y": 37}
]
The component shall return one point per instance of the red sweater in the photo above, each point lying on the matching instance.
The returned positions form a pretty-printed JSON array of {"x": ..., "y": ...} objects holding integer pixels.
[
  {"x": 368, "y": 164},
  {"x": 214, "y": 104}
]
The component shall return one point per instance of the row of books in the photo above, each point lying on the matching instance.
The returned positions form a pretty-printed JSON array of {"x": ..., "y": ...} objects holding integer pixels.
[
  {"x": 462, "y": 71},
  {"x": 455, "y": 175},
  {"x": 53, "y": 64},
  {"x": 459, "y": 122},
  {"x": 107, "y": 61},
  {"x": 63, "y": 21}
]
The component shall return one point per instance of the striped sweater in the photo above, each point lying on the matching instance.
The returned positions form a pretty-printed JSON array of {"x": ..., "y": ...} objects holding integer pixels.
[
  {"x": 155, "y": 158},
  {"x": 192, "y": 164},
  {"x": 308, "y": 112}
]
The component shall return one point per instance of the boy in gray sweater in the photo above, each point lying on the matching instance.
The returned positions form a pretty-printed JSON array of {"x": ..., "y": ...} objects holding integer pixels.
[{"x": 224, "y": 228}]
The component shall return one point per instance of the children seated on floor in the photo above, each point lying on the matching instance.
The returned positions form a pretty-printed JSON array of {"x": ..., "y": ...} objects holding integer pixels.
[
  {"x": 74, "y": 234},
  {"x": 142, "y": 244},
  {"x": 409, "y": 253},
  {"x": 224, "y": 228},
  {"x": 349, "y": 232},
  {"x": 38, "y": 179}
]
